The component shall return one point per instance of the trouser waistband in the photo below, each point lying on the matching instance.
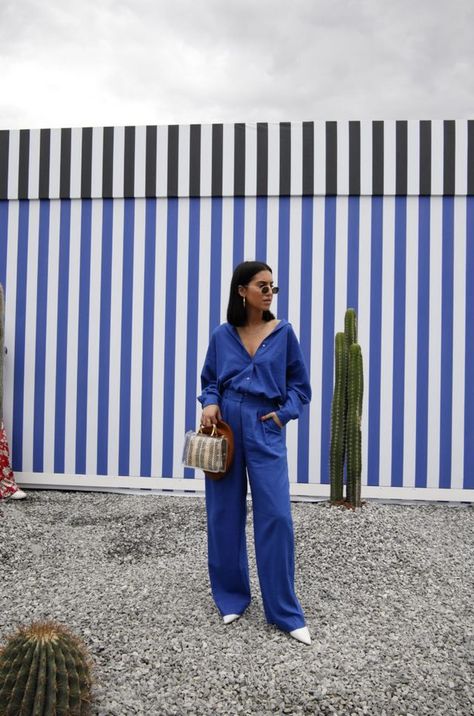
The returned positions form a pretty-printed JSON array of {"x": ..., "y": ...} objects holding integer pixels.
[{"x": 257, "y": 400}]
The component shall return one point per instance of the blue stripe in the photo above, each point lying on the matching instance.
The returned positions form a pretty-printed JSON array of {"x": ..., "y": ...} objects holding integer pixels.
[
  {"x": 353, "y": 253},
  {"x": 148, "y": 338},
  {"x": 399, "y": 304},
  {"x": 61, "y": 341},
  {"x": 239, "y": 231},
  {"x": 104, "y": 338},
  {"x": 83, "y": 337},
  {"x": 20, "y": 318},
  {"x": 423, "y": 338},
  {"x": 376, "y": 252},
  {"x": 261, "y": 229},
  {"x": 215, "y": 267},
  {"x": 193, "y": 315},
  {"x": 447, "y": 265},
  {"x": 283, "y": 255},
  {"x": 170, "y": 336},
  {"x": 3, "y": 242},
  {"x": 328, "y": 331},
  {"x": 306, "y": 283},
  {"x": 126, "y": 337},
  {"x": 40, "y": 347},
  {"x": 469, "y": 362}
]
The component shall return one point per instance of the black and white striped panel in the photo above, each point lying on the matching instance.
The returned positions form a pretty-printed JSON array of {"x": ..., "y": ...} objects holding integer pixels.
[{"x": 347, "y": 158}]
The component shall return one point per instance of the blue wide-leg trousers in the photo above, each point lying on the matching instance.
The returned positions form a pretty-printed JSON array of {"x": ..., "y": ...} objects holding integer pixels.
[{"x": 260, "y": 451}]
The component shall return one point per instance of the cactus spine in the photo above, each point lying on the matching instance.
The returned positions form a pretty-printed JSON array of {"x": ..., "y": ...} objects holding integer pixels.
[
  {"x": 346, "y": 414},
  {"x": 44, "y": 671}
]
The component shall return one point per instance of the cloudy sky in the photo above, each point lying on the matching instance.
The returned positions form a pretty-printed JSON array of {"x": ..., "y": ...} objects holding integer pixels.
[{"x": 73, "y": 63}]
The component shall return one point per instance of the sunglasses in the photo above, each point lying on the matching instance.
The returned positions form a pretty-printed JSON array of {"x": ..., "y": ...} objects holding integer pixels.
[{"x": 265, "y": 288}]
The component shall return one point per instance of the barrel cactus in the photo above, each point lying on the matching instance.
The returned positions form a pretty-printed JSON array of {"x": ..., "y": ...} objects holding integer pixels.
[{"x": 44, "y": 671}]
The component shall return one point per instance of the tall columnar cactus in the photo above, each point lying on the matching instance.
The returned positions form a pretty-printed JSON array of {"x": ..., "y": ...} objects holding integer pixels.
[
  {"x": 44, "y": 671},
  {"x": 338, "y": 418},
  {"x": 2, "y": 346},
  {"x": 346, "y": 414}
]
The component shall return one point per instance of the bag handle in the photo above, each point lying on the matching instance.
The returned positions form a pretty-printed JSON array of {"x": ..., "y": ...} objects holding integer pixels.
[{"x": 213, "y": 433}]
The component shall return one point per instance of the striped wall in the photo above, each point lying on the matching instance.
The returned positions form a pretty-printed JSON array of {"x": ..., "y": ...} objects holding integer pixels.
[{"x": 110, "y": 301}]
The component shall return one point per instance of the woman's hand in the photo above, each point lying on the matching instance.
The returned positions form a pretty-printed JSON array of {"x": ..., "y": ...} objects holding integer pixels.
[
  {"x": 210, "y": 415},
  {"x": 274, "y": 417}
]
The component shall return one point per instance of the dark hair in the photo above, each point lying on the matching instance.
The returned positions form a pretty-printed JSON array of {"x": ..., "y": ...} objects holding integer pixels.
[{"x": 242, "y": 275}]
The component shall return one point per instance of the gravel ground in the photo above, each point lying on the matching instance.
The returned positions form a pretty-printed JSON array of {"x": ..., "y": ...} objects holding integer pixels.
[{"x": 387, "y": 592}]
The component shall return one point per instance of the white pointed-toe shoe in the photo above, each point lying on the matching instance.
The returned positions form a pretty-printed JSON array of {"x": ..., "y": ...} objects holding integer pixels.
[
  {"x": 302, "y": 635},
  {"x": 229, "y": 618},
  {"x": 18, "y": 495}
]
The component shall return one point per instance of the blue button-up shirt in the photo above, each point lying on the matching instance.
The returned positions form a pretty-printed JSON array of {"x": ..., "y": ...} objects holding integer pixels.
[{"x": 277, "y": 371}]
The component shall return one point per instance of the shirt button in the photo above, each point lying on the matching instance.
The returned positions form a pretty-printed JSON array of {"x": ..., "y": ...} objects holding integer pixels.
[
  {"x": 263, "y": 345},
  {"x": 247, "y": 378}
]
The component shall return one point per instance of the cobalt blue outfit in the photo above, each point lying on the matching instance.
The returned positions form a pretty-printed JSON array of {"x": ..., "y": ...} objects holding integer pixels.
[{"x": 245, "y": 388}]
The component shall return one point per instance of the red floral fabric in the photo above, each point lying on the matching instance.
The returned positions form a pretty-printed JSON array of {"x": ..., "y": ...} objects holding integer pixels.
[{"x": 8, "y": 485}]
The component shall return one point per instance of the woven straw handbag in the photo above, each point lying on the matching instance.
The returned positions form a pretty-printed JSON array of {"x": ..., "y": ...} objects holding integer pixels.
[{"x": 210, "y": 449}]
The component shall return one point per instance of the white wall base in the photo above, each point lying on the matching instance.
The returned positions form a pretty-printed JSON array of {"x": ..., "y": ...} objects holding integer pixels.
[{"x": 298, "y": 491}]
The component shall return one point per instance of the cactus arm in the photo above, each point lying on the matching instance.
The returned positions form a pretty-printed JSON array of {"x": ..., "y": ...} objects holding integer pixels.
[
  {"x": 338, "y": 419},
  {"x": 354, "y": 457}
]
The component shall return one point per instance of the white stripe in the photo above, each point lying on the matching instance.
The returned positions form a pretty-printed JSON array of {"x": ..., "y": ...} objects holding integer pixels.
[
  {"x": 434, "y": 384},
  {"x": 72, "y": 337},
  {"x": 320, "y": 158},
  {"x": 317, "y": 319},
  {"x": 296, "y": 186},
  {"x": 137, "y": 337},
  {"x": 461, "y": 157},
  {"x": 386, "y": 363},
  {"x": 366, "y": 174},
  {"x": 162, "y": 162},
  {"x": 55, "y": 164},
  {"x": 51, "y": 336},
  {"x": 94, "y": 336},
  {"x": 363, "y": 323},
  {"x": 340, "y": 278},
  {"x": 10, "y": 314},
  {"x": 97, "y": 161},
  {"x": 181, "y": 337},
  {"x": 343, "y": 158},
  {"x": 203, "y": 294},
  {"x": 273, "y": 159},
  {"x": 459, "y": 342},
  {"x": 206, "y": 159},
  {"x": 30, "y": 336},
  {"x": 413, "y": 157},
  {"x": 140, "y": 162},
  {"x": 183, "y": 160},
  {"x": 76, "y": 159},
  {"x": 227, "y": 252},
  {"x": 272, "y": 242},
  {"x": 250, "y": 158},
  {"x": 158, "y": 338},
  {"x": 250, "y": 224},
  {"x": 118, "y": 162},
  {"x": 228, "y": 160},
  {"x": 115, "y": 361},
  {"x": 13, "y": 163},
  {"x": 389, "y": 158},
  {"x": 294, "y": 308},
  {"x": 33, "y": 164},
  {"x": 437, "y": 157},
  {"x": 411, "y": 343}
]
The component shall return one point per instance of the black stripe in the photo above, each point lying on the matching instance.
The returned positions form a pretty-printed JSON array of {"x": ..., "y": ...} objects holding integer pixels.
[
  {"x": 354, "y": 158},
  {"x": 129, "y": 163},
  {"x": 86, "y": 163},
  {"x": 470, "y": 157},
  {"x": 331, "y": 158},
  {"x": 401, "y": 164},
  {"x": 23, "y": 163},
  {"x": 217, "y": 158},
  {"x": 262, "y": 159},
  {"x": 195, "y": 160},
  {"x": 173, "y": 147},
  {"x": 150, "y": 161},
  {"x": 308, "y": 158},
  {"x": 108, "y": 163},
  {"x": 425, "y": 157},
  {"x": 65, "y": 171},
  {"x": 377, "y": 158},
  {"x": 44, "y": 163},
  {"x": 239, "y": 159},
  {"x": 449, "y": 127},
  {"x": 4, "y": 147},
  {"x": 285, "y": 158}
]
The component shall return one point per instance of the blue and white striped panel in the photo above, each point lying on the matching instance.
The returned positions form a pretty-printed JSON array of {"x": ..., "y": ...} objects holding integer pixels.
[{"x": 110, "y": 304}]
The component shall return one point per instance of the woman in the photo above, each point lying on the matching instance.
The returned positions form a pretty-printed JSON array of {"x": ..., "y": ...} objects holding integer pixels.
[{"x": 255, "y": 379}]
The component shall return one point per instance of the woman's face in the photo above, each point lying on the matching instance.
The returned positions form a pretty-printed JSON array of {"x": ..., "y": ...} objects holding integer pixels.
[{"x": 255, "y": 297}]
